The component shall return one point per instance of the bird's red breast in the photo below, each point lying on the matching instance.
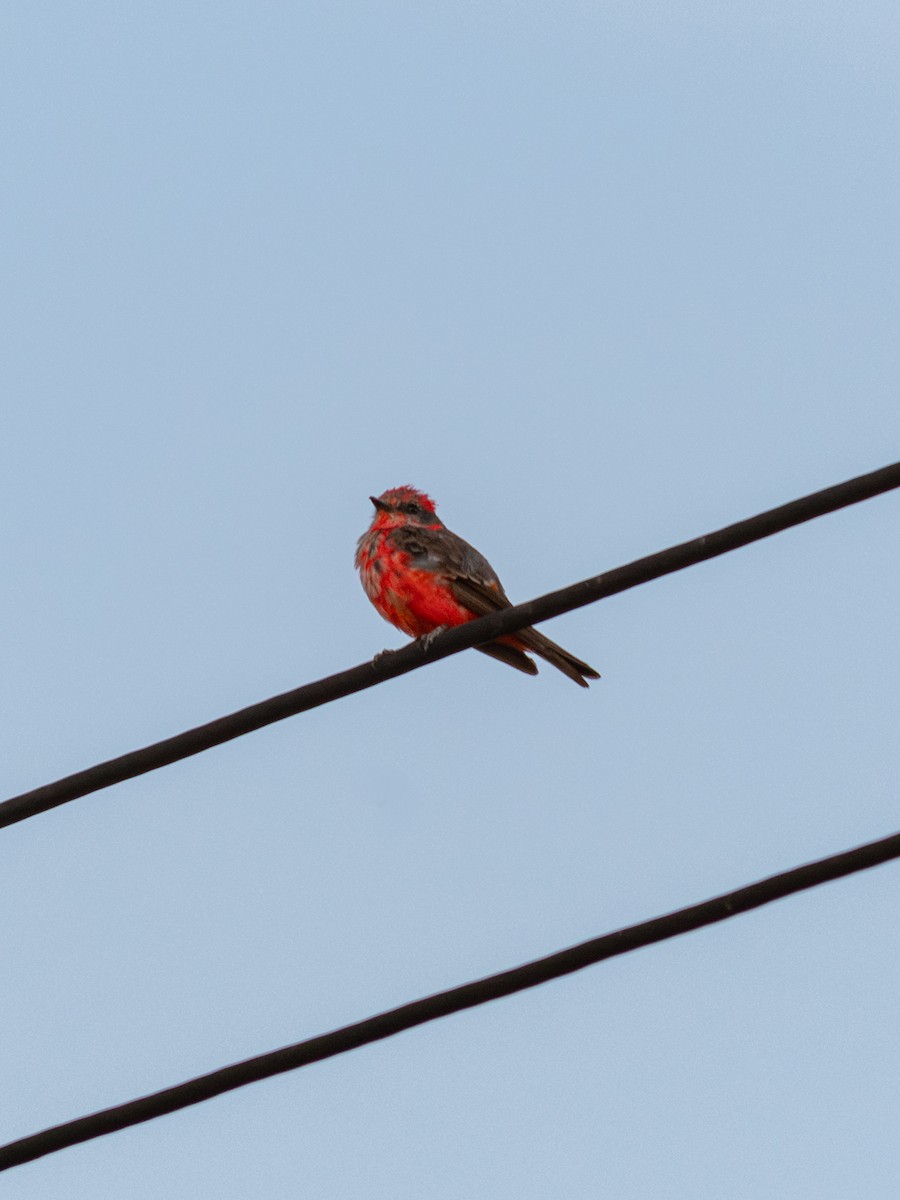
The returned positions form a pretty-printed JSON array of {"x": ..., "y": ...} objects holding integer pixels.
[{"x": 416, "y": 600}]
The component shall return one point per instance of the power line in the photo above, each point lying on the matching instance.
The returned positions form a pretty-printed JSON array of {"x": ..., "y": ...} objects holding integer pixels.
[
  {"x": 443, "y": 1004},
  {"x": 463, "y": 637}
]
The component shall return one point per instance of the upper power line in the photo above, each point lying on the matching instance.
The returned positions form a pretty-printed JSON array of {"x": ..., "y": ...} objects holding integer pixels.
[{"x": 463, "y": 637}]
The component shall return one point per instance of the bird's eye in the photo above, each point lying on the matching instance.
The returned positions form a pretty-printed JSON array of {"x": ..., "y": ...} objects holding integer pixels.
[{"x": 412, "y": 507}]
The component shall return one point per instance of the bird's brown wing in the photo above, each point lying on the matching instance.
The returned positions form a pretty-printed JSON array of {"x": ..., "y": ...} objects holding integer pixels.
[
  {"x": 446, "y": 554},
  {"x": 482, "y": 599},
  {"x": 474, "y": 583}
]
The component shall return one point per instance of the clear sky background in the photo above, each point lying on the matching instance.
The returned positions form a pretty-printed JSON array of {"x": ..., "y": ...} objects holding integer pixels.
[{"x": 600, "y": 278}]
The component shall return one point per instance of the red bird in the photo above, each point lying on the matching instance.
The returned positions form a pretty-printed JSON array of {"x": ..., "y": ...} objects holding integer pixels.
[{"x": 421, "y": 577}]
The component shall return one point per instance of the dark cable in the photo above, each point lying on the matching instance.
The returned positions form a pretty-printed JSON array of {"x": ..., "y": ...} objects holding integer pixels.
[
  {"x": 442, "y": 1004},
  {"x": 463, "y": 637}
]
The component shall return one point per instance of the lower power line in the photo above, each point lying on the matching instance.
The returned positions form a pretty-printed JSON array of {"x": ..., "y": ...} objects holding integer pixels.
[{"x": 443, "y": 1004}]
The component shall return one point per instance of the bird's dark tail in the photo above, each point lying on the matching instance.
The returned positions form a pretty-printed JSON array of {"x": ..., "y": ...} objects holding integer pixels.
[{"x": 539, "y": 644}]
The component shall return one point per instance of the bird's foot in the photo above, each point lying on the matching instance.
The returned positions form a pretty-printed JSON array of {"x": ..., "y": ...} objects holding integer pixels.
[
  {"x": 426, "y": 639},
  {"x": 382, "y": 656}
]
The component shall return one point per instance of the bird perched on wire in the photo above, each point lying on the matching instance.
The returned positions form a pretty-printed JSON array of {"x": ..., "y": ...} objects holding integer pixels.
[{"x": 422, "y": 578}]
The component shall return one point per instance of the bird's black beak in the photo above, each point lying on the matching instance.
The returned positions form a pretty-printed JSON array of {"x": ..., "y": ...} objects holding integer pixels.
[{"x": 380, "y": 505}]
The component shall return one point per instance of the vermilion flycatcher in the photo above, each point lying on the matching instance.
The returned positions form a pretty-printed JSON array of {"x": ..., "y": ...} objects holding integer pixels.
[{"x": 421, "y": 577}]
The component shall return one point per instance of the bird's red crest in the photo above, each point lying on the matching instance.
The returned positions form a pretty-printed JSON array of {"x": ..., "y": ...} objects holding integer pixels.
[{"x": 401, "y": 495}]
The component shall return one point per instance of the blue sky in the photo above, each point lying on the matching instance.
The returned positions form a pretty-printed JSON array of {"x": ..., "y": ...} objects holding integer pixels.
[{"x": 599, "y": 278}]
